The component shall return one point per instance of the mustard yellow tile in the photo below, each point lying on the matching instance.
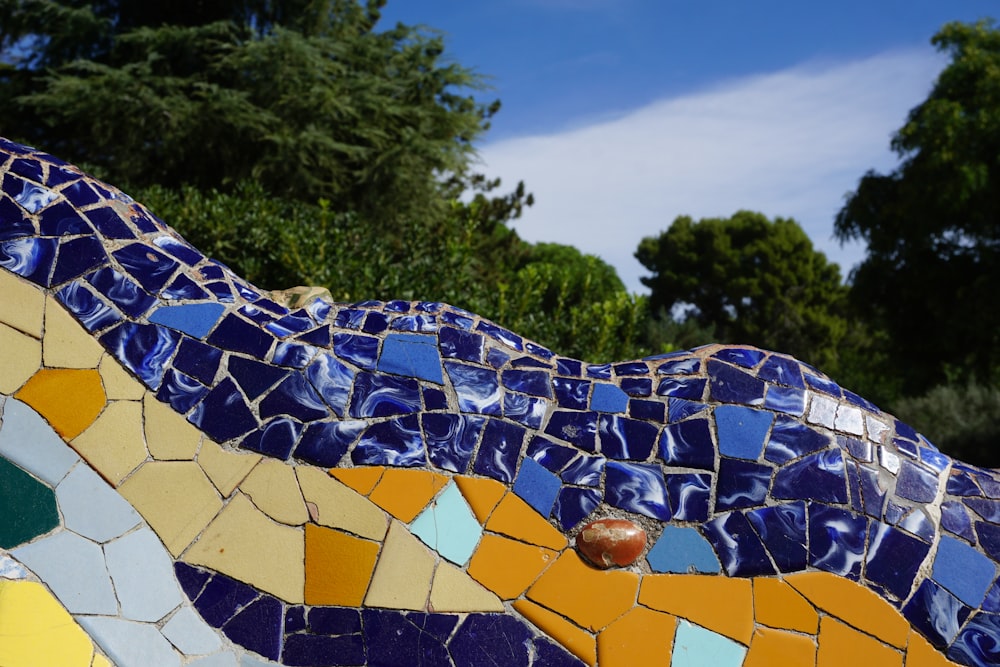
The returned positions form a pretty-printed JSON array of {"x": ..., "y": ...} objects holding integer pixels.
[
  {"x": 334, "y": 504},
  {"x": 225, "y": 468},
  {"x": 69, "y": 400},
  {"x": 515, "y": 518},
  {"x": 20, "y": 358},
  {"x": 23, "y": 304},
  {"x": 577, "y": 641},
  {"x": 716, "y": 602},
  {"x": 118, "y": 383},
  {"x": 589, "y": 597},
  {"x": 455, "y": 591},
  {"x": 36, "y": 630},
  {"x": 339, "y": 567},
  {"x": 482, "y": 494},
  {"x": 101, "y": 661},
  {"x": 777, "y": 648},
  {"x": 403, "y": 493},
  {"x": 175, "y": 498},
  {"x": 640, "y": 637},
  {"x": 243, "y": 543},
  {"x": 854, "y": 604},
  {"x": 169, "y": 437},
  {"x": 841, "y": 645},
  {"x": 920, "y": 653},
  {"x": 507, "y": 567},
  {"x": 362, "y": 480},
  {"x": 66, "y": 344},
  {"x": 114, "y": 445},
  {"x": 778, "y": 605},
  {"x": 274, "y": 489},
  {"x": 403, "y": 574}
]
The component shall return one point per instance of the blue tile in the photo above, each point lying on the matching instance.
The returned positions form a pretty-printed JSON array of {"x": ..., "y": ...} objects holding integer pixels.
[
  {"x": 449, "y": 527},
  {"x": 585, "y": 471},
  {"x": 687, "y": 388},
  {"x": 500, "y": 449},
  {"x": 962, "y": 570},
  {"x": 396, "y": 442},
  {"x": 89, "y": 310},
  {"x": 537, "y": 486},
  {"x": 741, "y": 484},
  {"x": 275, "y": 439},
  {"x": 894, "y": 559},
  {"x": 741, "y": 356},
  {"x": 790, "y": 400},
  {"x": 109, "y": 223},
  {"x": 608, "y": 398},
  {"x": 326, "y": 443},
  {"x": 649, "y": 410},
  {"x": 599, "y": 371},
  {"x": 511, "y": 340},
  {"x": 680, "y": 409},
  {"x": 236, "y": 334},
  {"x": 451, "y": 439},
  {"x": 497, "y": 358},
  {"x": 384, "y": 395},
  {"x": 458, "y": 344},
  {"x": 637, "y": 487},
  {"x": 76, "y": 257},
  {"x": 486, "y": 639},
  {"x": 956, "y": 520},
  {"x": 683, "y": 550},
  {"x": 220, "y": 598},
  {"x": 526, "y": 410},
  {"x": 578, "y": 428},
  {"x": 128, "y": 296},
  {"x": 782, "y": 371},
  {"x": 548, "y": 454},
  {"x": 937, "y": 615},
  {"x": 689, "y": 366},
  {"x": 570, "y": 367},
  {"x": 142, "y": 348},
  {"x": 689, "y": 444},
  {"x": 293, "y": 355},
  {"x": 624, "y": 438},
  {"x": 818, "y": 476},
  {"x": 412, "y": 355},
  {"x": 478, "y": 389},
  {"x": 729, "y": 384},
  {"x": 375, "y": 323},
  {"x": 695, "y": 646},
  {"x": 258, "y": 627},
  {"x": 573, "y": 505},
  {"x": 740, "y": 550},
  {"x": 782, "y": 530},
  {"x": 196, "y": 319},
  {"x": 837, "y": 540},
  {"x": 824, "y": 385},
  {"x": 916, "y": 483},
  {"x": 294, "y": 397},
  {"x": 979, "y": 642},
  {"x": 333, "y": 380},
  {"x": 571, "y": 393},
  {"x": 223, "y": 414},
  {"x": 183, "y": 287},
  {"x": 151, "y": 269},
  {"x": 178, "y": 249},
  {"x": 181, "y": 391},
  {"x": 253, "y": 377},
  {"x": 791, "y": 439},
  {"x": 198, "y": 360},
  {"x": 742, "y": 431},
  {"x": 29, "y": 258},
  {"x": 535, "y": 383},
  {"x": 689, "y": 495}
]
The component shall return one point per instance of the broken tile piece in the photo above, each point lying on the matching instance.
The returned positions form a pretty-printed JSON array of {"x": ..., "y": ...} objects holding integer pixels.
[
  {"x": 448, "y": 526},
  {"x": 454, "y": 591},
  {"x": 695, "y": 646},
  {"x": 402, "y": 577},
  {"x": 20, "y": 358},
  {"x": 67, "y": 344},
  {"x": 118, "y": 383},
  {"x": 143, "y": 575},
  {"x": 274, "y": 489},
  {"x": 37, "y": 630},
  {"x": 339, "y": 567},
  {"x": 721, "y": 604},
  {"x": 131, "y": 643},
  {"x": 338, "y": 506},
  {"x": 29, "y": 507},
  {"x": 517, "y": 519},
  {"x": 169, "y": 437},
  {"x": 579, "y": 642},
  {"x": 92, "y": 508},
  {"x": 190, "y": 634},
  {"x": 69, "y": 399},
  {"x": 226, "y": 468},
  {"x": 114, "y": 444},
  {"x": 23, "y": 304},
  {"x": 73, "y": 567},
  {"x": 640, "y": 637},
  {"x": 570, "y": 587},
  {"x": 27, "y": 440},
  {"x": 403, "y": 493},
  {"x": 506, "y": 566}
]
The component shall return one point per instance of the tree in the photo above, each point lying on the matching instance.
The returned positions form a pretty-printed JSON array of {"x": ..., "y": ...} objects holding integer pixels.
[
  {"x": 932, "y": 226},
  {"x": 756, "y": 281}
]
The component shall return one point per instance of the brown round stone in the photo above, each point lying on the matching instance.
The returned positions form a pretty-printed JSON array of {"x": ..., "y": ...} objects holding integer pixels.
[{"x": 609, "y": 542}]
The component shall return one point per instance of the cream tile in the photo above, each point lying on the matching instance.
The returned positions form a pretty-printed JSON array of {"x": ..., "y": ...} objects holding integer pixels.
[
  {"x": 225, "y": 468},
  {"x": 338, "y": 506},
  {"x": 23, "y": 304},
  {"x": 113, "y": 445},
  {"x": 118, "y": 384},
  {"x": 66, "y": 344},
  {"x": 454, "y": 590},
  {"x": 245, "y": 544},
  {"x": 169, "y": 436},
  {"x": 273, "y": 488},
  {"x": 20, "y": 358},
  {"x": 402, "y": 577},
  {"x": 175, "y": 498}
]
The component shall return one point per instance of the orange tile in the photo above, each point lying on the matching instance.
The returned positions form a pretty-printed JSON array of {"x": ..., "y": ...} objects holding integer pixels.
[
  {"x": 589, "y": 597},
  {"x": 715, "y": 602},
  {"x": 841, "y": 645},
  {"x": 515, "y": 518},
  {"x": 69, "y": 399},
  {"x": 482, "y": 494},
  {"x": 854, "y": 604},
  {"x": 777, "y": 648},
  {"x": 778, "y": 605},
  {"x": 920, "y": 653},
  {"x": 361, "y": 480},
  {"x": 640, "y": 637},
  {"x": 577, "y": 641},
  {"x": 338, "y": 567},
  {"x": 403, "y": 493},
  {"x": 507, "y": 567}
]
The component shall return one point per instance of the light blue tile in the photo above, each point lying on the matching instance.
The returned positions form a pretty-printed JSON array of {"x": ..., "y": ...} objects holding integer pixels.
[
  {"x": 143, "y": 575},
  {"x": 27, "y": 440},
  {"x": 448, "y": 526},
  {"x": 962, "y": 570},
  {"x": 196, "y": 319},
  {"x": 92, "y": 508},
  {"x": 130, "y": 644},
  {"x": 608, "y": 398},
  {"x": 73, "y": 567},
  {"x": 225, "y": 659},
  {"x": 191, "y": 634},
  {"x": 742, "y": 431},
  {"x": 537, "y": 486},
  {"x": 683, "y": 550},
  {"x": 411, "y": 355},
  {"x": 694, "y": 646}
]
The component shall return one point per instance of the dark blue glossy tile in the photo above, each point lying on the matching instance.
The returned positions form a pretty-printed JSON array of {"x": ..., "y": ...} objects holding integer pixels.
[
  {"x": 259, "y": 627},
  {"x": 579, "y": 428},
  {"x": 29, "y": 258},
  {"x": 549, "y": 654},
  {"x": 223, "y": 414},
  {"x": 637, "y": 487},
  {"x": 741, "y": 356},
  {"x": 377, "y": 395},
  {"x": 276, "y": 438},
  {"x": 142, "y": 348},
  {"x": 178, "y": 249},
  {"x": 782, "y": 371},
  {"x": 729, "y": 384},
  {"x": 307, "y": 650},
  {"x": 500, "y": 449},
  {"x": 782, "y": 530},
  {"x": 956, "y": 520},
  {"x": 221, "y": 598},
  {"x": 989, "y": 539},
  {"x": 29, "y": 196},
  {"x": 988, "y": 509},
  {"x": 680, "y": 409},
  {"x": 872, "y": 492},
  {"x": 585, "y": 471},
  {"x": 624, "y": 438},
  {"x": 15, "y": 223},
  {"x": 791, "y": 439},
  {"x": 89, "y": 310},
  {"x": 688, "y": 366},
  {"x": 689, "y": 495},
  {"x": 333, "y": 380},
  {"x": 294, "y": 397},
  {"x": 630, "y": 368},
  {"x": 918, "y": 523},
  {"x": 979, "y": 642},
  {"x": 254, "y": 377},
  {"x": 295, "y": 619},
  {"x": 741, "y": 484},
  {"x": 451, "y": 439},
  {"x": 818, "y": 476},
  {"x": 326, "y": 443},
  {"x": 375, "y": 323},
  {"x": 854, "y": 486},
  {"x": 293, "y": 355},
  {"x": 396, "y": 442},
  {"x": 790, "y": 400},
  {"x": 236, "y": 334},
  {"x": 183, "y": 287},
  {"x": 893, "y": 512},
  {"x": 637, "y": 386},
  {"x": 151, "y": 268},
  {"x": 598, "y": 371},
  {"x": 221, "y": 291},
  {"x": 496, "y": 357},
  {"x": 936, "y": 614},
  {"x": 489, "y": 639},
  {"x": 893, "y": 560},
  {"x": 182, "y": 392},
  {"x": 478, "y": 389},
  {"x": 350, "y": 318},
  {"x": 916, "y": 483},
  {"x": 109, "y": 223},
  {"x": 571, "y": 393},
  {"x": 510, "y": 339},
  {"x": 688, "y": 444},
  {"x": 573, "y": 505},
  {"x": 397, "y": 306},
  {"x": 458, "y": 344},
  {"x": 414, "y": 323},
  {"x": 320, "y": 337},
  {"x": 61, "y": 220},
  {"x": 649, "y": 410},
  {"x": 535, "y": 383},
  {"x": 739, "y": 549},
  {"x": 822, "y": 384},
  {"x": 192, "y": 579},
  {"x": 30, "y": 169},
  {"x": 434, "y": 399},
  {"x": 527, "y": 410},
  {"x": 837, "y": 540},
  {"x": 688, "y": 388},
  {"x": 538, "y": 350},
  {"x": 129, "y": 297},
  {"x": 570, "y": 367},
  {"x": 537, "y": 486}
]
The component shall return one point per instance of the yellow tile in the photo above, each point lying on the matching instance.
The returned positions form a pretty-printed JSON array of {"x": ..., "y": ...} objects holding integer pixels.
[
  {"x": 20, "y": 358},
  {"x": 118, "y": 383},
  {"x": 169, "y": 436},
  {"x": 482, "y": 494},
  {"x": 507, "y": 567},
  {"x": 640, "y": 637},
  {"x": 274, "y": 489},
  {"x": 113, "y": 445},
  {"x": 854, "y": 604},
  {"x": 515, "y": 518},
  {"x": 920, "y": 653},
  {"x": 339, "y": 567},
  {"x": 715, "y": 602},
  {"x": 22, "y": 305},
  {"x": 101, "y": 661},
  {"x": 841, "y": 645},
  {"x": 335, "y": 505},
  {"x": 175, "y": 498},
  {"x": 778, "y": 605},
  {"x": 403, "y": 574},
  {"x": 403, "y": 493},
  {"x": 225, "y": 468},
  {"x": 455, "y": 591},
  {"x": 589, "y": 597},
  {"x": 361, "y": 480},
  {"x": 69, "y": 400},
  {"x": 777, "y": 648},
  {"x": 243, "y": 543},
  {"x": 578, "y": 642},
  {"x": 36, "y": 630},
  {"x": 66, "y": 344}
]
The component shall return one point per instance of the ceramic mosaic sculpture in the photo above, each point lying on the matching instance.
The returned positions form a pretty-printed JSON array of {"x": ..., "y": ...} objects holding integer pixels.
[{"x": 193, "y": 473}]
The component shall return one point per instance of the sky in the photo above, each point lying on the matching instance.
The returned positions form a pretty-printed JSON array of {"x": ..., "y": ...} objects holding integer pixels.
[{"x": 620, "y": 115}]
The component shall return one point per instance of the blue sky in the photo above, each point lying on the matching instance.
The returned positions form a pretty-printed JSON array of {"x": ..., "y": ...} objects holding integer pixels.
[{"x": 620, "y": 115}]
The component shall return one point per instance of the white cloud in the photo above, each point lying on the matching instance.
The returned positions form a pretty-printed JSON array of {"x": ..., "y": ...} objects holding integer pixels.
[{"x": 788, "y": 144}]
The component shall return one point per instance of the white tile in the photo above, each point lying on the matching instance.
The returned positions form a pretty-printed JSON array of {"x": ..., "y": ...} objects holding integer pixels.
[
  {"x": 28, "y": 440},
  {"x": 130, "y": 644},
  {"x": 92, "y": 508},
  {"x": 191, "y": 634},
  {"x": 73, "y": 567},
  {"x": 822, "y": 410},
  {"x": 11, "y": 569},
  {"x": 143, "y": 575}
]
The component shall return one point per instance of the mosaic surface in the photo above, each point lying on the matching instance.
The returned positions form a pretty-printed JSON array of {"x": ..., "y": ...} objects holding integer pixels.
[{"x": 193, "y": 472}]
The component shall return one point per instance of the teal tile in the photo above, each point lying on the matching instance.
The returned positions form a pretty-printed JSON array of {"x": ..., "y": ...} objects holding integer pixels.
[
  {"x": 29, "y": 507},
  {"x": 694, "y": 646},
  {"x": 448, "y": 526}
]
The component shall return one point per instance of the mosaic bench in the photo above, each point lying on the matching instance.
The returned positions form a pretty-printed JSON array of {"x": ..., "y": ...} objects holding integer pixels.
[{"x": 193, "y": 473}]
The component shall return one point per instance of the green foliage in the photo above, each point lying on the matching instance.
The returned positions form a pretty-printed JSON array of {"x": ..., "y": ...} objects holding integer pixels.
[
  {"x": 963, "y": 420},
  {"x": 755, "y": 281},
  {"x": 932, "y": 226}
]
